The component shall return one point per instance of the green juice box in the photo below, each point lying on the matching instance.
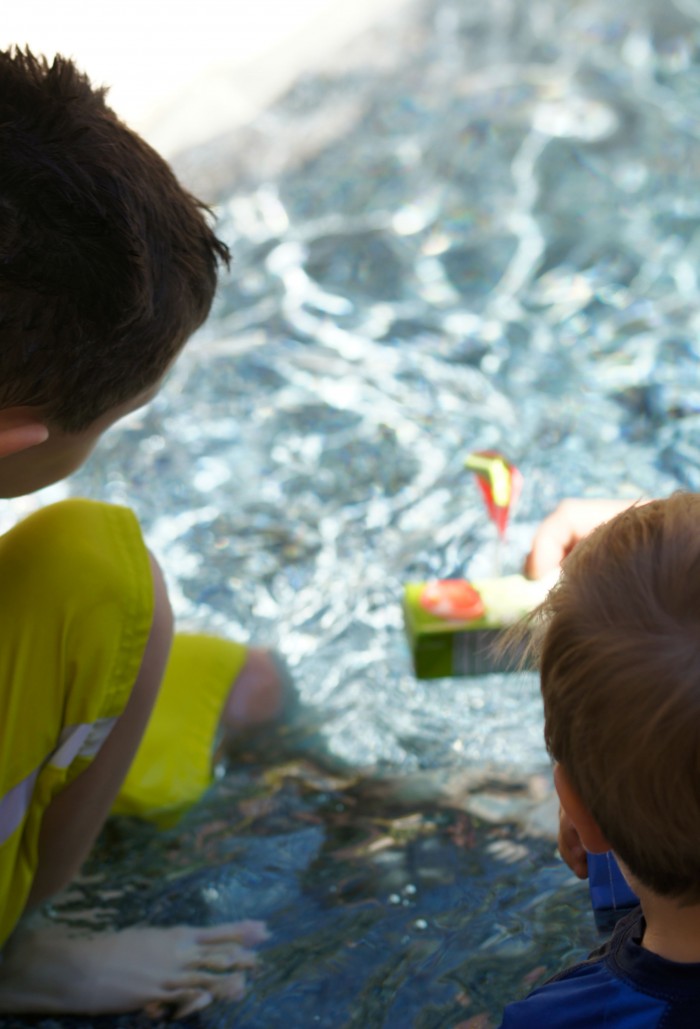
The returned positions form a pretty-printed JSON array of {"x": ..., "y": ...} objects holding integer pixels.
[{"x": 452, "y": 624}]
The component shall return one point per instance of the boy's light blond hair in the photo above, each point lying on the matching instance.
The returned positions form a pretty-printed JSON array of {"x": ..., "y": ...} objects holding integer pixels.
[{"x": 618, "y": 644}]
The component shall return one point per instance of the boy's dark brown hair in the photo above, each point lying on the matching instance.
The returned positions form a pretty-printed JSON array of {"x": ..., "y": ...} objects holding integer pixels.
[
  {"x": 618, "y": 642},
  {"x": 107, "y": 265}
]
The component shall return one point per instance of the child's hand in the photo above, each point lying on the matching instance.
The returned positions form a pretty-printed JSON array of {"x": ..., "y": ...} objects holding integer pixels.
[
  {"x": 561, "y": 531},
  {"x": 166, "y": 971},
  {"x": 570, "y": 846}
]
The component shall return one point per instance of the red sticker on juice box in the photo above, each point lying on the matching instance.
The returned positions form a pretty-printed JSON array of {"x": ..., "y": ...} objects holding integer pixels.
[{"x": 455, "y": 600}]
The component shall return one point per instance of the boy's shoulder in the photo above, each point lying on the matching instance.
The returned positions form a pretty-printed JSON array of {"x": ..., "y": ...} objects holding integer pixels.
[{"x": 621, "y": 986}]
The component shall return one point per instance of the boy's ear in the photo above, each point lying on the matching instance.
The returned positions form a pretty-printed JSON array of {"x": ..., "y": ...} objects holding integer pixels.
[
  {"x": 591, "y": 835},
  {"x": 20, "y": 429}
]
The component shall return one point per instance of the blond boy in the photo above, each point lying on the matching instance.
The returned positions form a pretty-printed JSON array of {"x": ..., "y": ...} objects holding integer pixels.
[{"x": 618, "y": 643}]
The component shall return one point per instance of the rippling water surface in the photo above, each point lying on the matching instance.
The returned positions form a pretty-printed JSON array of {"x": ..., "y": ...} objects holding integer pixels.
[{"x": 480, "y": 230}]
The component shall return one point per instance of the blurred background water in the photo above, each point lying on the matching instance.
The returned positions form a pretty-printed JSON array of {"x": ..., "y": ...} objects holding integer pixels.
[{"x": 477, "y": 228}]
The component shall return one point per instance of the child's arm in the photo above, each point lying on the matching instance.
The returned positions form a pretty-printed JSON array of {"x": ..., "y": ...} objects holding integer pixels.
[
  {"x": 559, "y": 533},
  {"x": 166, "y": 970},
  {"x": 76, "y": 815}
]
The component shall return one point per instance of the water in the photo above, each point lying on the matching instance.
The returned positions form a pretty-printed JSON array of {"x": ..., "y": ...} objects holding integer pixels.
[{"x": 480, "y": 231}]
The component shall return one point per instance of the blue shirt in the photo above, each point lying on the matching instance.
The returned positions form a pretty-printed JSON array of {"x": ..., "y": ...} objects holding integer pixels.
[{"x": 620, "y": 986}]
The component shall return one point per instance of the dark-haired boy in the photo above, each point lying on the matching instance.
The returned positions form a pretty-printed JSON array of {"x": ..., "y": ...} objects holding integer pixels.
[
  {"x": 107, "y": 266},
  {"x": 618, "y": 643}
]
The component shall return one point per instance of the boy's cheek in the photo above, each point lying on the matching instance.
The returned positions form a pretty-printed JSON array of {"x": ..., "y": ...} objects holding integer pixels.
[
  {"x": 570, "y": 846},
  {"x": 43, "y": 465}
]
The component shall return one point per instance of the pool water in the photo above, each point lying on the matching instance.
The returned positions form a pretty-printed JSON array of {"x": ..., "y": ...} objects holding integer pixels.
[{"x": 480, "y": 229}]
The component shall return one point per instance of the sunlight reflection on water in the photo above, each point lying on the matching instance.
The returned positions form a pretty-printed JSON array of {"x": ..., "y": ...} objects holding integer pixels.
[{"x": 485, "y": 235}]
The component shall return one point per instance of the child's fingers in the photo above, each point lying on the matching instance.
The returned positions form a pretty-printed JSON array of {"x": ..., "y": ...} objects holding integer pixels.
[
  {"x": 249, "y": 933},
  {"x": 190, "y": 1003},
  {"x": 202, "y": 991},
  {"x": 215, "y": 987},
  {"x": 182, "y": 1004},
  {"x": 553, "y": 540},
  {"x": 219, "y": 959},
  {"x": 566, "y": 526}
]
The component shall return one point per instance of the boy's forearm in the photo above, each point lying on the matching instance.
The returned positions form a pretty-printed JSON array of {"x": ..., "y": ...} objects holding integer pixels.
[{"x": 75, "y": 817}]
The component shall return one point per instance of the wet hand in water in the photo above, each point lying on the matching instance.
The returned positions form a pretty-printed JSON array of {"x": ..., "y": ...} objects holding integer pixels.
[
  {"x": 559, "y": 533},
  {"x": 168, "y": 972}
]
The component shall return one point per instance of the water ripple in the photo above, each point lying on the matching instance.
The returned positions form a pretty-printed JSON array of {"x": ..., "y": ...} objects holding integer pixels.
[
  {"x": 496, "y": 247},
  {"x": 481, "y": 232}
]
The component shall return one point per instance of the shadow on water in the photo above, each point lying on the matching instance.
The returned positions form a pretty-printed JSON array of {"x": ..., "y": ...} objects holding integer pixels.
[{"x": 387, "y": 907}]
